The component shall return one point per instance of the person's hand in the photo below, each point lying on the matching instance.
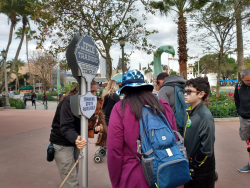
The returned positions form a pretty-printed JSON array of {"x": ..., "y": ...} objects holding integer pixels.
[
  {"x": 80, "y": 143},
  {"x": 97, "y": 128}
]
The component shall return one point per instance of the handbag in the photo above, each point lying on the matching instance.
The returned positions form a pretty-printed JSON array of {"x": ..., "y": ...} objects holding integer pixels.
[{"x": 91, "y": 130}]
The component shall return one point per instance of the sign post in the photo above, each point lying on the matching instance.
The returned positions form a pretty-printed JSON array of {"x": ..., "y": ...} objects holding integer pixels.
[{"x": 83, "y": 60}]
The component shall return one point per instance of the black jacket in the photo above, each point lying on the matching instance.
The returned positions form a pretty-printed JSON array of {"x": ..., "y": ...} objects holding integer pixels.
[
  {"x": 109, "y": 102},
  {"x": 33, "y": 96},
  {"x": 199, "y": 140},
  {"x": 65, "y": 126},
  {"x": 242, "y": 100}
]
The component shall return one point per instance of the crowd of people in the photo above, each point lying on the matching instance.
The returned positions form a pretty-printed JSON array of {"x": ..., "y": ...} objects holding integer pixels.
[{"x": 178, "y": 103}]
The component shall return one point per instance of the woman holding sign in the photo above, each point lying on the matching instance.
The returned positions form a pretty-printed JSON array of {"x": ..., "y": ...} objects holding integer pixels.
[{"x": 65, "y": 138}]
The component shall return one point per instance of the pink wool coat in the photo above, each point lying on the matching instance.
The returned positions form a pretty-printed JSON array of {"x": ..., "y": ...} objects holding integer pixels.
[{"x": 125, "y": 170}]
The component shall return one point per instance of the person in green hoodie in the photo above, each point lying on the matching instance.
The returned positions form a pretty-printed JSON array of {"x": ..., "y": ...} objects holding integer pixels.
[{"x": 199, "y": 135}]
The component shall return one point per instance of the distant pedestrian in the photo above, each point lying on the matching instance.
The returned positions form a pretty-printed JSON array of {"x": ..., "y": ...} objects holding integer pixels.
[
  {"x": 110, "y": 99},
  {"x": 242, "y": 102},
  {"x": 125, "y": 171},
  {"x": 25, "y": 98},
  {"x": 33, "y": 98},
  {"x": 60, "y": 96},
  {"x": 199, "y": 135},
  {"x": 44, "y": 98}
]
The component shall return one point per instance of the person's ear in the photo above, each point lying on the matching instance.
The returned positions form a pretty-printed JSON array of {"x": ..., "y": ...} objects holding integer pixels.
[{"x": 201, "y": 94}]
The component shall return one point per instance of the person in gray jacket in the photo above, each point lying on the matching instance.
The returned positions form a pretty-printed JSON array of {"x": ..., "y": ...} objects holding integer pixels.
[{"x": 168, "y": 92}]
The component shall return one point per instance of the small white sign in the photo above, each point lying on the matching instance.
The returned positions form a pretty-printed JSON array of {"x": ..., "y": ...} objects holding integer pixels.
[{"x": 88, "y": 104}]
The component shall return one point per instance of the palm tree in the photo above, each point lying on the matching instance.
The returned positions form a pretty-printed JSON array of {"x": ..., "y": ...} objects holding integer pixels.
[
  {"x": 10, "y": 8},
  {"x": 18, "y": 66},
  {"x": 181, "y": 7},
  {"x": 29, "y": 36},
  {"x": 26, "y": 12}
]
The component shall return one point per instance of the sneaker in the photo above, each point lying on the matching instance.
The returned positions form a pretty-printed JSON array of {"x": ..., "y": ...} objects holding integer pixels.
[{"x": 245, "y": 169}]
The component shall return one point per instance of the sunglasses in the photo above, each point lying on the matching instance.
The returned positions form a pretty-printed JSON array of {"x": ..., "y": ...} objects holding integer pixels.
[{"x": 188, "y": 92}]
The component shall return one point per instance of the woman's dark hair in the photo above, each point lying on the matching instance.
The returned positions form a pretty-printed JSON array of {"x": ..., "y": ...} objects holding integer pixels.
[
  {"x": 138, "y": 97},
  {"x": 162, "y": 76},
  {"x": 73, "y": 91},
  {"x": 200, "y": 84}
]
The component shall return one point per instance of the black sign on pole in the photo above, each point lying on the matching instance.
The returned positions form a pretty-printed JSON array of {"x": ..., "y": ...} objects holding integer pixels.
[
  {"x": 83, "y": 60},
  {"x": 87, "y": 56}
]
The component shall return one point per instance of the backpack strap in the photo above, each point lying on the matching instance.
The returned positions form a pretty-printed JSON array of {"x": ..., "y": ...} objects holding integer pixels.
[
  {"x": 134, "y": 154},
  {"x": 239, "y": 86}
]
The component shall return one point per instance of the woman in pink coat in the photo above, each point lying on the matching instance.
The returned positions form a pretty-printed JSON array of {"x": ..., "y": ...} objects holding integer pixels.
[{"x": 125, "y": 170}]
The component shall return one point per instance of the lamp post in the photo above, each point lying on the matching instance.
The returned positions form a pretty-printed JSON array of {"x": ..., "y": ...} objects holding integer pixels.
[
  {"x": 24, "y": 81},
  {"x": 4, "y": 55},
  {"x": 33, "y": 83},
  {"x": 122, "y": 44}
]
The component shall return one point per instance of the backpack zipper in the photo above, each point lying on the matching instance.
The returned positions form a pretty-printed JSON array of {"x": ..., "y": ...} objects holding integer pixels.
[{"x": 164, "y": 164}]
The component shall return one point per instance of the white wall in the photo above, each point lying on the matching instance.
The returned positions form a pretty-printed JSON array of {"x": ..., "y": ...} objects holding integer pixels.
[
  {"x": 212, "y": 78},
  {"x": 102, "y": 67}
]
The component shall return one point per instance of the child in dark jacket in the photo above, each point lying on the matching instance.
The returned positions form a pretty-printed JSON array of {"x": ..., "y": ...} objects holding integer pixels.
[{"x": 199, "y": 135}]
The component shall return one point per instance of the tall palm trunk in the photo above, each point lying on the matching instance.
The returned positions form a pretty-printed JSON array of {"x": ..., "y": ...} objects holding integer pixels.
[
  {"x": 18, "y": 50},
  {"x": 13, "y": 23},
  {"x": 17, "y": 82},
  {"x": 182, "y": 45},
  {"x": 239, "y": 35},
  {"x": 27, "y": 55}
]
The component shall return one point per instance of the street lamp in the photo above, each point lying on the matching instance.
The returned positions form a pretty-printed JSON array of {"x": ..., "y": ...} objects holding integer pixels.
[
  {"x": 122, "y": 44},
  {"x": 24, "y": 81},
  {"x": 4, "y": 55}
]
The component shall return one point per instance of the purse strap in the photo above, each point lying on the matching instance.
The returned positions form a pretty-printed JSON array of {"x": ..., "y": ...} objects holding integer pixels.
[{"x": 133, "y": 153}]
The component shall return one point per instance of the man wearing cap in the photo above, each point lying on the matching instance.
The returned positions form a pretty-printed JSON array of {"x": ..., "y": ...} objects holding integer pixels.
[{"x": 242, "y": 102}]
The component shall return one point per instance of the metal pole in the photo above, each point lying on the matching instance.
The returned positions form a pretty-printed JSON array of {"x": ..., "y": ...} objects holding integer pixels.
[
  {"x": 39, "y": 86},
  {"x": 33, "y": 84},
  {"x": 84, "y": 135},
  {"x": 123, "y": 66},
  {"x": 6, "y": 85}
]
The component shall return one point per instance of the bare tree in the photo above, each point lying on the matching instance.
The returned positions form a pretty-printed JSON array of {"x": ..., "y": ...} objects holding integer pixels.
[
  {"x": 215, "y": 27},
  {"x": 42, "y": 65}
]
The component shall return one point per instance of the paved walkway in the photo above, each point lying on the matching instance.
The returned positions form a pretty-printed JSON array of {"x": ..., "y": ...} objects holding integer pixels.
[
  {"x": 24, "y": 139},
  {"x": 51, "y": 105}
]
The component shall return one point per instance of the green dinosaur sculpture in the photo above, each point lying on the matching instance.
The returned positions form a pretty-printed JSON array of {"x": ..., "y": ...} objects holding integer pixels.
[{"x": 157, "y": 58}]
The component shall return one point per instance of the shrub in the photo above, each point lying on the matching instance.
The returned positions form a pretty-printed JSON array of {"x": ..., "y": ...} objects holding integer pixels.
[
  {"x": 53, "y": 96},
  {"x": 18, "y": 104},
  {"x": 2, "y": 101},
  {"x": 222, "y": 109}
]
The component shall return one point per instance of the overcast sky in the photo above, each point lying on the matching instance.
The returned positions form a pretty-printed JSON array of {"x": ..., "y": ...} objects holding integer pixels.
[{"x": 167, "y": 36}]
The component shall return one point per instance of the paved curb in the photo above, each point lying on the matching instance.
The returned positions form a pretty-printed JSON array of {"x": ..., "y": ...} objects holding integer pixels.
[{"x": 227, "y": 119}]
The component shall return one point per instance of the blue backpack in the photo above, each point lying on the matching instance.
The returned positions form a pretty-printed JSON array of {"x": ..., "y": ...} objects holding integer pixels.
[
  {"x": 163, "y": 158},
  {"x": 180, "y": 105}
]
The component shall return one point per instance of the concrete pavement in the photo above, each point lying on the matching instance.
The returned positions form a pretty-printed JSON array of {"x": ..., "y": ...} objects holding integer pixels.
[{"x": 24, "y": 138}]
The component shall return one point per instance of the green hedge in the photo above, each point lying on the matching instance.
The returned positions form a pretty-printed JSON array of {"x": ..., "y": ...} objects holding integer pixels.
[
  {"x": 18, "y": 104},
  {"x": 53, "y": 96},
  {"x": 222, "y": 109}
]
